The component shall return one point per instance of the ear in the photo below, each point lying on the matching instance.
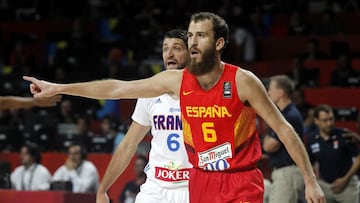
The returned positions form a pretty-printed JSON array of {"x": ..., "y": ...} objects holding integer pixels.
[
  {"x": 282, "y": 92},
  {"x": 220, "y": 43},
  {"x": 316, "y": 121}
]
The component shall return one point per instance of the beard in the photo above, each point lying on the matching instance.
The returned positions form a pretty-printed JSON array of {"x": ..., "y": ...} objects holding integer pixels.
[{"x": 206, "y": 65}]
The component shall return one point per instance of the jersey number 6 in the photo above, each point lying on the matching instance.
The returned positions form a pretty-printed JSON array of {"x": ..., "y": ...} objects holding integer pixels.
[{"x": 208, "y": 132}]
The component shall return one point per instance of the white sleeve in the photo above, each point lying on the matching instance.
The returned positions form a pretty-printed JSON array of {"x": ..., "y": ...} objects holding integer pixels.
[
  {"x": 42, "y": 178},
  {"x": 141, "y": 112},
  {"x": 87, "y": 180},
  {"x": 61, "y": 174},
  {"x": 15, "y": 178}
]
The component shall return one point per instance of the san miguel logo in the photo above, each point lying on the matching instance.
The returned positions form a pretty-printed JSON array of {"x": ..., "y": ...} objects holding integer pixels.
[{"x": 215, "y": 158}]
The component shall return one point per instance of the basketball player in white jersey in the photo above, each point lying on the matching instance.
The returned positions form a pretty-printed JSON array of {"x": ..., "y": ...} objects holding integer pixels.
[{"x": 167, "y": 171}]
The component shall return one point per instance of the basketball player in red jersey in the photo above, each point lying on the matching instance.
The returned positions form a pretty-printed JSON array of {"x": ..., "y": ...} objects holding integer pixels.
[{"x": 218, "y": 104}]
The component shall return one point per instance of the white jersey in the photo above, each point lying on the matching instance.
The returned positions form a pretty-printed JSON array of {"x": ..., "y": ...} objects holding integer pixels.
[{"x": 168, "y": 162}]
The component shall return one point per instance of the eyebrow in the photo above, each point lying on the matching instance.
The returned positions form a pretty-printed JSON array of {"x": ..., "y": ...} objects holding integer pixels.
[
  {"x": 198, "y": 32},
  {"x": 177, "y": 43}
]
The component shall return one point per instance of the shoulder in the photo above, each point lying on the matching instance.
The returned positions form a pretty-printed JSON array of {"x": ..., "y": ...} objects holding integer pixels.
[
  {"x": 248, "y": 85},
  {"x": 246, "y": 77},
  {"x": 17, "y": 170},
  {"x": 42, "y": 168},
  {"x": 89, "y": 165},
  {"x": 61, "y": 169},
  {"x": 293, "y": 112},
  {"x": 312, "y": 137}
]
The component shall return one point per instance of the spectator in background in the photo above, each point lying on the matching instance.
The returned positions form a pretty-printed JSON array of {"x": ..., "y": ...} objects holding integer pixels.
[
  {"x": 297, "y": 25},
  {"x": 133, "y": 187},
  {"x": 104, "y": 141},
  {"x": 298, "y": 97},
  {"x": 78, "y": 48},
  {"x": 338, "y": 160},
  {"x": 328, "y": 26},
  {"x": 83, "y": 129},
  {"x": 19, "y": 58},
  {"x": 121, "y": 130},
  {"x": 81, "y": 172},
  {"x": 302, "y": 76},
  {"x": 257, "y": 26},
  {"x": 110, "y": 127},
  {"x": 306, "y": 110},
  {"x": 30, "y": 175},
  {"x": 313, "y": 51},
  {"x": 245, "y": 45},
  {"x": 344, "y": 75},
  {"x": 309, "y": 123},
  {"x": 351, "y": 5},
  {"x": 59, "y": 74},
  {"x": 66, "y": 114},
  {"x": 287, "y": 183}
]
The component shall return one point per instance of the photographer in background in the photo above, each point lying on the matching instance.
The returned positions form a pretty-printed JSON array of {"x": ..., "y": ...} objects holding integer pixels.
[{"x": 81, "y": 173}]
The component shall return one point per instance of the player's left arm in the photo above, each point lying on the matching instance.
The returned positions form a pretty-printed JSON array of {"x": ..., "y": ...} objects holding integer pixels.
[{"x": 251, "y": 90}]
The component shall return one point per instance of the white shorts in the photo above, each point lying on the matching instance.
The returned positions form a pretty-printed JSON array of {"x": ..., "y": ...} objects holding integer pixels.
[{"x": 150, "y": 192}]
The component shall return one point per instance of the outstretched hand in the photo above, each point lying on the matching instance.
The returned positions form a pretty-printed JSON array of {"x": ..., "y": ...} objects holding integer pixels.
[{"x": 40, "y": 88}]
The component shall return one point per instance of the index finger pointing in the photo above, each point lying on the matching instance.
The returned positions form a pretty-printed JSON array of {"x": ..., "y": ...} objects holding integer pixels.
[{"x": 30, "y": 79}]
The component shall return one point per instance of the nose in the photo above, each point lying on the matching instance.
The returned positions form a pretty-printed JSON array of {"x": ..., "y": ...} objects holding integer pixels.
[
  {"x": 192, "y": 41},
  {"x": 170, "y": 52}
]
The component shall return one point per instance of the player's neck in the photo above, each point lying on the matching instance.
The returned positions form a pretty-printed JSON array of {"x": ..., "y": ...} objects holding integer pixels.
[{"x": 208, "y": 80}]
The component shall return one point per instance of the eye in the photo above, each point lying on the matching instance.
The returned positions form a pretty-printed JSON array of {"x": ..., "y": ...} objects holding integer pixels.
[
  {"x": 202, "y": 35},
  {"x": 177, "y": 48}
]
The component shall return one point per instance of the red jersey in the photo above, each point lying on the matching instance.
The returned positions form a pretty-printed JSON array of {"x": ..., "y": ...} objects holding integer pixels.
[{"x": 219, "y": 130}]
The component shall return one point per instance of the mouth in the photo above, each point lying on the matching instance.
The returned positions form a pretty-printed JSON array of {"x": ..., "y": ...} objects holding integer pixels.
[
  {"x": 194, "y": 52},
  {"x": 171, "y": 64}
]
